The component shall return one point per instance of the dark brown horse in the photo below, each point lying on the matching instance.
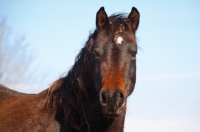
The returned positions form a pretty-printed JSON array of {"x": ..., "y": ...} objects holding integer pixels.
[{"x": 92, "y": 97}]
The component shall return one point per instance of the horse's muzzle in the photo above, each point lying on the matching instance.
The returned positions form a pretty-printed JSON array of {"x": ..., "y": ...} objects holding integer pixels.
[{"x": 112, "y": 102}]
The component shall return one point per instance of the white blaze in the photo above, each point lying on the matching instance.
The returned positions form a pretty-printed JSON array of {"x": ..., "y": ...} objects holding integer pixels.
[{"x": 119, "y": 40}]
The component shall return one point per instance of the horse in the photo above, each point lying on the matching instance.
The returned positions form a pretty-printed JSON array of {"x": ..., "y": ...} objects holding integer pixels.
[{"x": 92, "y": 96}]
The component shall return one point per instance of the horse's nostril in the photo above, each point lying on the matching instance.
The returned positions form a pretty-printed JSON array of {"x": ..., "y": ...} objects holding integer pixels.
[
  {"x": 120, "y": 97},
  {"x": 103, "y": 97}
]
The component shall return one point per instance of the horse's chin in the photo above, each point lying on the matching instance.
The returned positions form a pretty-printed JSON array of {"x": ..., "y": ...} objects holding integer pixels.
[{"x": 113, "y": 114}]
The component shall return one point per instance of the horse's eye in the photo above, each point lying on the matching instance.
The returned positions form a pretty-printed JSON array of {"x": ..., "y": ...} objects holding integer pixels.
[
  {"x": 133, "y": 55},
  {"x": 96, "y": 53}
]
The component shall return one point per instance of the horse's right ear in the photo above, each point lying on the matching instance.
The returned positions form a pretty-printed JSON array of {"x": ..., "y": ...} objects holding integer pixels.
[
  {"x": 134, "y": 18},
  {"x": 101, "y": 19}
]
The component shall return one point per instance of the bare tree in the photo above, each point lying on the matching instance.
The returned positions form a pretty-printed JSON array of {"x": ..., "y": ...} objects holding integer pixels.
[{"x": 15, "y": 59}]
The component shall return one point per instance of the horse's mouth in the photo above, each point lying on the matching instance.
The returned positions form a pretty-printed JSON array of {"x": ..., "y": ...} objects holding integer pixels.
[
  {"x": 112, "y": 111},
  {"x": 112, "y": 114}
]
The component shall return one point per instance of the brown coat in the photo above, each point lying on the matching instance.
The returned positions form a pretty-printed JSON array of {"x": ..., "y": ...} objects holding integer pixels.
[{"x": 21, "y": 112}]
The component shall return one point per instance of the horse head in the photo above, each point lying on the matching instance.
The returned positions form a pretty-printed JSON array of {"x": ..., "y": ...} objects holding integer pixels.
[{"x": 115, "y": 50}]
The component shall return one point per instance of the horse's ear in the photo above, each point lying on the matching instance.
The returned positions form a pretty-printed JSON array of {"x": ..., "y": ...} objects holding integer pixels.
[
  {"x": 134, "y": 17},
  {"x": 101, "y": 19}
]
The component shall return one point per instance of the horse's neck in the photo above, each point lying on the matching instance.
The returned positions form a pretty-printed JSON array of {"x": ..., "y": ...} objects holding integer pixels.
[{"x": 117, "y": 124}]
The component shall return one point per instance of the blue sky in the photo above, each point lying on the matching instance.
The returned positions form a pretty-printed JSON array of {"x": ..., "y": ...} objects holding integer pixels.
[{"x": 167, "y": 92}]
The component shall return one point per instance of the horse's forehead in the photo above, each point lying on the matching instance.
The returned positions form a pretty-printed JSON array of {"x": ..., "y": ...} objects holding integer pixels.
[
  {"x": 119, "y": 40},
  {"x": 118, "y": 37}
]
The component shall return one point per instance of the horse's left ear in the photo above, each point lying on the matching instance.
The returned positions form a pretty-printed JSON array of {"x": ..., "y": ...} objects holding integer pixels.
[
  {"x": 134, "y": 18},
  {"x": 101, "y": 19}
]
